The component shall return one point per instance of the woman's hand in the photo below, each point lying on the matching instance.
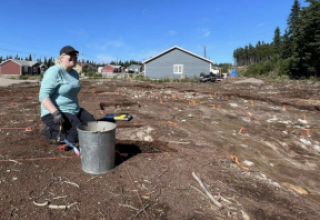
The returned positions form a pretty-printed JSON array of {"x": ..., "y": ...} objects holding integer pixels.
[{"x": 58, "y": 117}]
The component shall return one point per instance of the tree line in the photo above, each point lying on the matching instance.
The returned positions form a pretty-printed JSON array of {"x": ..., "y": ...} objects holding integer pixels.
[
  {"x": 295, "y": 53},
  {"x": 50, "y": 61}
]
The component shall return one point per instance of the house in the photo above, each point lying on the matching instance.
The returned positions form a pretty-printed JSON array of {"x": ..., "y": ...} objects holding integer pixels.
[
  {"x": 100, "y": 69},
  {"x": 77, "y": 68},
  {"x": 43, "y": 68},
  {"x": 84, "y": 67},
  {"x": 87, "y": 67},
  {"x": 134, "y": 68},
  {"x": 12, "y": 67},
  {"x": 112, "y": 69},
  {"x": 176, "y": 63}
]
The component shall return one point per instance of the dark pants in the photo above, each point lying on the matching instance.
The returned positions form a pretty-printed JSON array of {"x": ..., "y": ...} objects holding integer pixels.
[{"x": 69, "y": 131}]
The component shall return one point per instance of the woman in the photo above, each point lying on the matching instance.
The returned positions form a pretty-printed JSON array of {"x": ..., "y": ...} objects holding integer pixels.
[{"x": 59, "y": 98}]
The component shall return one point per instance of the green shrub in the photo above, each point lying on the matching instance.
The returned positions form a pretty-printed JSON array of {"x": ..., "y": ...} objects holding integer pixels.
[
  {"x": 224, "y": 69},
  {"x": 254, "y": 70},
  {"x": 285, "y": 66},
  {"x": 94, "y": 76},
  {"x": 23, "y": 77}
]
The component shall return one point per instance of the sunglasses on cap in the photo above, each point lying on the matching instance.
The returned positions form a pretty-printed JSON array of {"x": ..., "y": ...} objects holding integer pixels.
[{"x": 73, "y": 54}]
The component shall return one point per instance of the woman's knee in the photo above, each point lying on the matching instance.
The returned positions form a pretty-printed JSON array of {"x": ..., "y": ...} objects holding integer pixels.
[{"x": 85, "y": 116}]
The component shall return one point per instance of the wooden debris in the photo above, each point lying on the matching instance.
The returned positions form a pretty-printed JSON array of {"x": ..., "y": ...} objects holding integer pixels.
[
  {"x": 297, "y": 189},
  {"x": 71, "y": 183},
  {"x": 62, "y": 206},
  {"x": 55, "y": 206},
  {"x": 218, "y": 204},
  {"x": 41, "y": 204},
  {"x": 245, "y": 216}
]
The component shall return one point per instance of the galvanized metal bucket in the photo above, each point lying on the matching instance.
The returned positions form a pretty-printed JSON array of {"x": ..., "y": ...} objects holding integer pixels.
[{"x": 97, "y": 145}]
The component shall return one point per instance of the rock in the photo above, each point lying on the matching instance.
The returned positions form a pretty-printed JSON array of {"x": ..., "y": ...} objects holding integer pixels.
[
  {"x": 306, "y": 142},
  {"x": 247, "y": 163},
  {"x": 148, "y": 138},
  {"x": 234, "y": 105}
]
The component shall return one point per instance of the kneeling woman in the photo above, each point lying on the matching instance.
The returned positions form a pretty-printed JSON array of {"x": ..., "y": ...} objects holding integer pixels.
[{"x": 59, "y": 98}]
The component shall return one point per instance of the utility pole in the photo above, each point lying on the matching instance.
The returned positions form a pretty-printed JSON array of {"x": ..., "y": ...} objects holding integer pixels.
[
  {"x": 81, "y": 59},
  {"x": 205, "y": 52}
]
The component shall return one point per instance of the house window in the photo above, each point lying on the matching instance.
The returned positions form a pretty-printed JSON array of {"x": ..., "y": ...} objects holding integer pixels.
[{"x": 177, "y": 68}]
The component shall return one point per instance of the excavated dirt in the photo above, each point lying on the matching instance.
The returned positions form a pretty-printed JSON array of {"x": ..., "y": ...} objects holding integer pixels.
[{"x": 254, "y": 145}]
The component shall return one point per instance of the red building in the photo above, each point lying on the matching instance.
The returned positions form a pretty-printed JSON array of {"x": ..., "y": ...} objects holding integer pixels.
[
  {"x": 112, "y": 69},
  {"x": 13, "y": 67}
]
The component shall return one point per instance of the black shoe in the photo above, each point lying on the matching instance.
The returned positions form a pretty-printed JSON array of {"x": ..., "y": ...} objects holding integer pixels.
[{"x": 54, "y": 141}]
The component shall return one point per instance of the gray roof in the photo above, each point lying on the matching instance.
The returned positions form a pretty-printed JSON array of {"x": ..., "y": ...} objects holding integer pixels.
[
  {"x": 22, "y": 62},
  {"x": 115, "y": 66},
  {"x": 134, "y": 66},
  {"x": 179, "y": 48}
]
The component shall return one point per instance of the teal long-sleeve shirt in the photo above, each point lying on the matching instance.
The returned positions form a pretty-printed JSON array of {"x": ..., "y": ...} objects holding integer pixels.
[{"x": 62, "y": 88}]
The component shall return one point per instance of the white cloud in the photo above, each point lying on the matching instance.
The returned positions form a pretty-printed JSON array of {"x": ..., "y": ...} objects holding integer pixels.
[
  {"x": 105, "y": 58},
  {"x": 106, "y": 44},
  {"x": 172, "y": 33},
  {"x": 145, "y": 55},
  {"x": 261, "y": 24},
  {"x": 204, "y": 19},
  {"x": 112, "y": 43},
  {"x": 79, "y": 32},
  {"x": 204, "y": 32}
]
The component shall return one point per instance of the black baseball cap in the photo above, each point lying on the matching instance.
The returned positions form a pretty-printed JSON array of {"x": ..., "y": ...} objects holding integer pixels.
[{"x": 67, "y": 50}]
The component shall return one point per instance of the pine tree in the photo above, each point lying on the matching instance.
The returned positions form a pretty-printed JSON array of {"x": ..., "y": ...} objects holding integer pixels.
[
  {"x": 293, "y": 17},
  {"x": 306, "y": 41},
  {"x": 310, "y": 32},
  {"x": 277, "y": 42},
  {"x": 30, "y": 57},
  {"x": 286, "y": 49}
]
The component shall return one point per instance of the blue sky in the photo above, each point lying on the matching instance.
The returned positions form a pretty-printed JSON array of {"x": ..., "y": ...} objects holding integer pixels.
[{"x": 137, "y": 30}]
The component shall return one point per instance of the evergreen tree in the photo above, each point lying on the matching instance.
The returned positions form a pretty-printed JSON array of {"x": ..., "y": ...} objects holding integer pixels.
[
  {"x": 293, "y": 17},
  {"x": 307, "y": 40},
  {"x": 286, "y": 49},
  {"x": 30, "y": 57},
  {"x": 277, "y": 42}
]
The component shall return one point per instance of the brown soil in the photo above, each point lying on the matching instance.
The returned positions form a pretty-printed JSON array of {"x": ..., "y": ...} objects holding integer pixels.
[{"x": 178, "y": 128}]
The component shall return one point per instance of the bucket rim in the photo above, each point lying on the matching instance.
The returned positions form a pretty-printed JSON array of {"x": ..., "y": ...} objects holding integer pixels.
[{"x": 114, "y": 126}]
